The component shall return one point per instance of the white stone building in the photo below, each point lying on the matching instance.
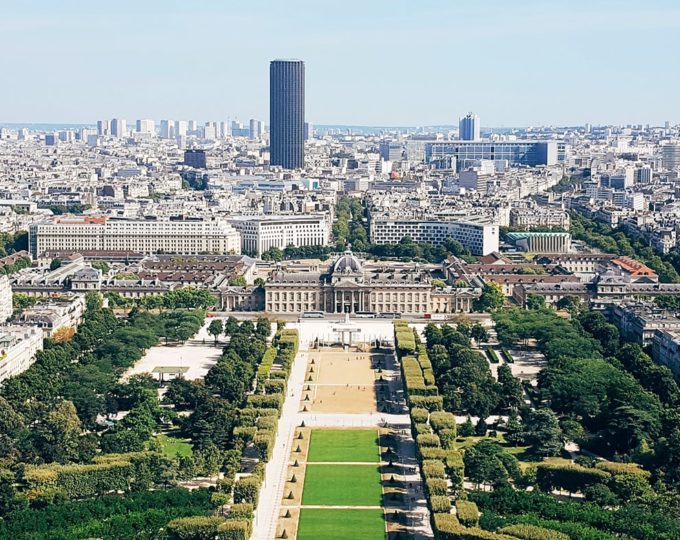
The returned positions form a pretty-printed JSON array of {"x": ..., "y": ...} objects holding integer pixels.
[
  {"x": 259, "y": 233},
  {"x": 18, "y": 347},
  {"x": 86, "y": 233}
]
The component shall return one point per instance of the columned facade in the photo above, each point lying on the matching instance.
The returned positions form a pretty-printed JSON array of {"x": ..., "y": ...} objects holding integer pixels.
[{"x": 348, "y": 287}]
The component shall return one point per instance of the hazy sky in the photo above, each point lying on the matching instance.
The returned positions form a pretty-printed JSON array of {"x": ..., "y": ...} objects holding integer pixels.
[{"x": 368, "y": 62}]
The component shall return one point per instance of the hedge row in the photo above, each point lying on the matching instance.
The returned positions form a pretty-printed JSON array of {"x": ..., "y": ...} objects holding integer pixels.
[
  {"x": 209, "y": 527},
  {"x": 110, "y": 472},
  {"x": 447, "y": 527},
  {"x": 532, "y": 532}
]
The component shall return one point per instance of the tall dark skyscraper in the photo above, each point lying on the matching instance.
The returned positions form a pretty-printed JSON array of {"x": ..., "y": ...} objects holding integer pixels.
[{"x": 287, "y": 113}]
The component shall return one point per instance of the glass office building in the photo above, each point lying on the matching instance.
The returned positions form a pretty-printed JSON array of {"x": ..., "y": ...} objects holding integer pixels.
[
  {"x": 530, "y": 153},
  {"x": 287, "y": 113}
]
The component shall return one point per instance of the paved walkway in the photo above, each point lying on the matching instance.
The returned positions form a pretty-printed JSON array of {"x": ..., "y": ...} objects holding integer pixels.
[{"x": 271, "y": 494}]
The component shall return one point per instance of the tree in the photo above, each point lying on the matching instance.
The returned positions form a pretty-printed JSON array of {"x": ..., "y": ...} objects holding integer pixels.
[
  {"x": 535, "y": 301},
  {"x": 542, "y": 433},
  {"x": 231, "y": 326},
  {"x": 215, "y": 328},
  {"x": 467, "y": 429},
  {"x": 55, "y": 263},
  {"x": 273, "y": 254},
  {"x": 492, "y": 298},
  {"x": 570, "y": 303},
  {"x": 230, "y": 379},
  {"x": 487, "y": 462},
  {"x": 479, "y": 333},
  {"x": 510, "y": 390},
  {"x": 259, "y": 283},
  {"x": 57, "y": 438}
]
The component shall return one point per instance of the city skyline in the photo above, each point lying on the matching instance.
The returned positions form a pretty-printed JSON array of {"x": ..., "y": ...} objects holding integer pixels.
[{"x": 177, "y": 61}]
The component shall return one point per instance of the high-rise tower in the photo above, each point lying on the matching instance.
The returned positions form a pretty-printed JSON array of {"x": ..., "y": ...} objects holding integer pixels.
[
  {"x": 287, "y": 113},
  {"x": 468, "y": 128}
]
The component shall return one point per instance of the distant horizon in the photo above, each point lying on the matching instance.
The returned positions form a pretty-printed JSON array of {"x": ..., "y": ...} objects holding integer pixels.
[{"x": 77, "y": 125}]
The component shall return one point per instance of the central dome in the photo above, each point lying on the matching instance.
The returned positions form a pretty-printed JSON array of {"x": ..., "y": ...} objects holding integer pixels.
[{"x": 347, "y": 263}]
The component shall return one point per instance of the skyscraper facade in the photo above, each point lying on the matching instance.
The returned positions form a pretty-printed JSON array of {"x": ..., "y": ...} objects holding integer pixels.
[
  {"x": 468, "y": 128},
  {"x": 287, "y": 113}
]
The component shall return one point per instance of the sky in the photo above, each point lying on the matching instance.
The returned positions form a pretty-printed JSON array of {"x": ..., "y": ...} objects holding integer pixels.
[{"x": 368, "y": 62}]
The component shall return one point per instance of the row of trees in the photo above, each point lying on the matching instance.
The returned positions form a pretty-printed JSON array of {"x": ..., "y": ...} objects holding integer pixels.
[{"x": 183, "y": 298}]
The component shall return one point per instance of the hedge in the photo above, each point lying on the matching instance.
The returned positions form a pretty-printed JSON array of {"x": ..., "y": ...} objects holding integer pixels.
[
  {"x": 431, "y": 403},
  {"x": 247, "y": 490},
  {"x": 421, "y": 429},
  {"x": 467, "y": 513},
  {"x": 428, "y": 440},
  {"x": 440, "y": 420},
  {"x": 266, "y": 363},
  {"x": 269, "y": 401},
  {"x": 110, "y": 472},
  {"x": 244, "y": 434},
  {"x": 433, "y": 468},
  {"x": 267, "y": 423},
  {"x": 194, "y": 528},
  {"x": 437, "y": 486},
  {"x": 615, "y": 468},
  {"x": 448, "y": 438},
  {"x": 570, "y": 477},
  {"x": 274, "y": 386},
  {"x": 234, "y": 530},
  {"x": 419, "y": 415},
  {"x": 432, "y": 452},
  {"x": 447, "y": 527},
  {"x": 241, "y": 511},
  {"x": 440, "y": 504},
  {"x": 532, "y": 532}
]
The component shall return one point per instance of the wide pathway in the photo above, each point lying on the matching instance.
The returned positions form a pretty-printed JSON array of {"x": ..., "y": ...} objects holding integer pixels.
[{"x": 271, "y": 494}]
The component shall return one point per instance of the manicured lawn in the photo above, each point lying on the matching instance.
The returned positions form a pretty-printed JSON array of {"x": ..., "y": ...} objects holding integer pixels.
[
  {"x": 172, "y": 446},
  {"x": 316, "y": 524},
  {"x": 342, "y": 445},
  {"x": 342, "y": 485}
]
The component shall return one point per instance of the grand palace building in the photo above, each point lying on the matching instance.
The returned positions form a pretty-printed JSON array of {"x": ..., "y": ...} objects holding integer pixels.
[{"x": 349, "y": 285}]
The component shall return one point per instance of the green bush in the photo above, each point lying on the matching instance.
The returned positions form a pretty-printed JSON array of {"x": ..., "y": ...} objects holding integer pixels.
[
  {"x": 234, "y": 530},
  {"x": 241, "y": 511},
  {"x": 432, "y": 452},
  {"x": 431, "y": 403},
  {"x": 421, "y": 429},
  {"x": 419, "y": 415},
  {"x": 437, "y": 486},
  {"x": 269, "y": 401},
  {"x": 447, "y": 527},
  {"x": 433, "y": 468},
  {"x": 570, "y": 477},
  {"x": 218, "y": 499},
  {"x": 275, "y": 386},
  {"x": 467, "y": 513},
  {"x": 266, "y": 363},
  {"x": 448, "y": 438},
  {"x": 440, "y": 420},
  {"x": 244, "y": 434},
  {"x": 440, "y": 504},
  {"x": 194, "y": 528},
  {"x": 532, "y": 532},
  {"x": 246, "y": 490},
  {"x": 428, "y": 439}
]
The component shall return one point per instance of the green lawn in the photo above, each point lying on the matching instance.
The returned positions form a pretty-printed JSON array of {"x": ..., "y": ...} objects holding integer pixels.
[
  {"x": 172, "y": 446},
  {"x": 342, "y": 485},
  {"x": 342, "y": 445},
  {"x": 316, "y": 523}
]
